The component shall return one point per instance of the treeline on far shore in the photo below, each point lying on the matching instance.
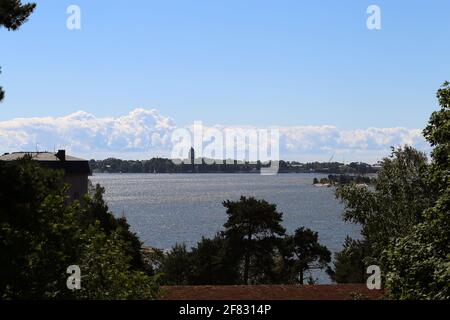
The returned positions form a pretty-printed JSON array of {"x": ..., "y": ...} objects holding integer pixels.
[
  {"x": 337, "y": 179},
  {"x": 164, "y": 165}
]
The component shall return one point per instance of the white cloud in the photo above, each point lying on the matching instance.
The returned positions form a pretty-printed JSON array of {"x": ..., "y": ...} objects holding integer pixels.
[
  {"x": 144, "y": 133},
  {"x": 82, "y": 133}
]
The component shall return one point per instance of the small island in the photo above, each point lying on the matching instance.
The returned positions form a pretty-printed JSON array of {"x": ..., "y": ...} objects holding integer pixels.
[{"x": 340, "y": 179}]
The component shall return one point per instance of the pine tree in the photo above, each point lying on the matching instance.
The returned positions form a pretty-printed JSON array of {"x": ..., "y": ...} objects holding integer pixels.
[{"x": 12, "y": 15}]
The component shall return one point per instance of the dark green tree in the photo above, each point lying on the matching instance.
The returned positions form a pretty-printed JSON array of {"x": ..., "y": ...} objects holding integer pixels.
[
  {"x": 253, "y": 230},
  {"x": 97, "y": 210},
  {"x": 12, "y": 15},
  {"x": 251, "y": 249},
  {"x": 107, "y": 271},
  {"x": 389, "y": 210},
  {"x": 37, "y": 233},
  {"x": 418, "y": 264},
  {"x": 214, "y": 263},
  {"x": 42, "y": 233},
  {"x": 176, "y": 266},
  {"x": 349, "y": 264},
  {"x": 134, "y": 249},
  {"x": 302, "y": 252},
  {"x": 2, "y": 93}
]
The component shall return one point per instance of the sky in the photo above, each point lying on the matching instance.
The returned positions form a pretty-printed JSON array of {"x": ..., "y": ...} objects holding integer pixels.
[{"x": 307, "y": 64}]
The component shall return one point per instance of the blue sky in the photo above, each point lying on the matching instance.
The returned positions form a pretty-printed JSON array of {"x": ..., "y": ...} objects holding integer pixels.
[
  {"x": 231, "y": 62},
  {"x": 300, "y": 65}
]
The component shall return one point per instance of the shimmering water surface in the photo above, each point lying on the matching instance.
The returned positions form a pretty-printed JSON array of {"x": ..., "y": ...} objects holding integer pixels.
[{"x": 164, "y": 209}]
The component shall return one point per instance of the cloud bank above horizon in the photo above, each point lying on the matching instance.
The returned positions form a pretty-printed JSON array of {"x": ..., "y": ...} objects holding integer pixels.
[{"x": 145, "y": 133}]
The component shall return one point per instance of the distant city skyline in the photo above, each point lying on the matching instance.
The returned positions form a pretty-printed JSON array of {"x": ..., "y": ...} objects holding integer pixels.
[{"x": 313, "y": 69}]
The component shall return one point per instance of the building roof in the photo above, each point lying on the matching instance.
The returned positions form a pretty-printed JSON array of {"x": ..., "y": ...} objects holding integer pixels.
[
  {"x": 271, "y": 292},
  {"x": 38, "y": 156},
  {"x": 53, "y": 160}
]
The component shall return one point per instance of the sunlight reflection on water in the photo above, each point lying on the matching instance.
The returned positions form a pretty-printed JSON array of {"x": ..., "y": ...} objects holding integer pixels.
[{"x": 164, "y": 209}]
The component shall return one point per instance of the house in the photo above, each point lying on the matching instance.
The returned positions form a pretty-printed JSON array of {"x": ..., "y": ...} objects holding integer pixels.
[{"x": 76, "y": 170}]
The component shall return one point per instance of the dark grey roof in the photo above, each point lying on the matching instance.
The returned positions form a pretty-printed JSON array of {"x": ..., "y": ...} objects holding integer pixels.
[
  {"x": 38, "y": 156},
  {"x": 50, "y": 160}
]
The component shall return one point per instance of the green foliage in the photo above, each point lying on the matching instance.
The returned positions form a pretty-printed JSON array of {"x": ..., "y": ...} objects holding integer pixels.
[
  {"x": 387, "y": 211},
  {"x": 176, "y": 265},
  {"x": 397, "y": 202},
  {"x": 97, "y": 210},
  {"x": 210, "y": 262},
  {"x": 253, "y": 248},
  {"x": 12, "y": 15},
  {"x": 346, "y": 179},
  {"x": 2, "y": 92},
  {"x": 108, "y": 272},
  {"x": 134, "y": 249},
  {"x": 302, "y": 252},
  {"x": 253, "y": 228},
  {"x": 42, "y": 233},
  {"x": 406, "y": 219},
  {"x": 349, "y": 264},
  {"x": 213, "y": 262},
  {"x": 324, "y": 181},
  {"x": 418, "y": 264},
  {"x": 30, "y": 220}
]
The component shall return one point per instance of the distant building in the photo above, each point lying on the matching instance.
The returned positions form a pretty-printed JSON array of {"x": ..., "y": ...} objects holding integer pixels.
[
  {"x": 76, "y": 170},
  {"x": 192, "y": 155},
  {"x": 192, "y": 160}
]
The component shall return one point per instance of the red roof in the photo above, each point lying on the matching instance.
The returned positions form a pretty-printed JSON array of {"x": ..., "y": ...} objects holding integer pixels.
[{"x": 271, "y": 292}]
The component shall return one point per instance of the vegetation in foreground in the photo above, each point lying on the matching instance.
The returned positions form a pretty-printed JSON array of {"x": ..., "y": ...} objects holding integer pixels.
[
  {"x": 405, "y": 219},
  {"x": 253, "y": 248},
  {"x": 41, "y": 234},
  {"x": 405, "y": 228}
]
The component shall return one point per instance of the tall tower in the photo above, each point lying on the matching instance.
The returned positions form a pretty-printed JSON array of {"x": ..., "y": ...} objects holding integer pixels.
[
  {"x": 192, "y": 159},
  {"x": 192, "y": 155}
]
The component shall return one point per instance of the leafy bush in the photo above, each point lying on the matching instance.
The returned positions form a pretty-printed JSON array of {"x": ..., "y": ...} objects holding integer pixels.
[{"x": 42, "y": 233}]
